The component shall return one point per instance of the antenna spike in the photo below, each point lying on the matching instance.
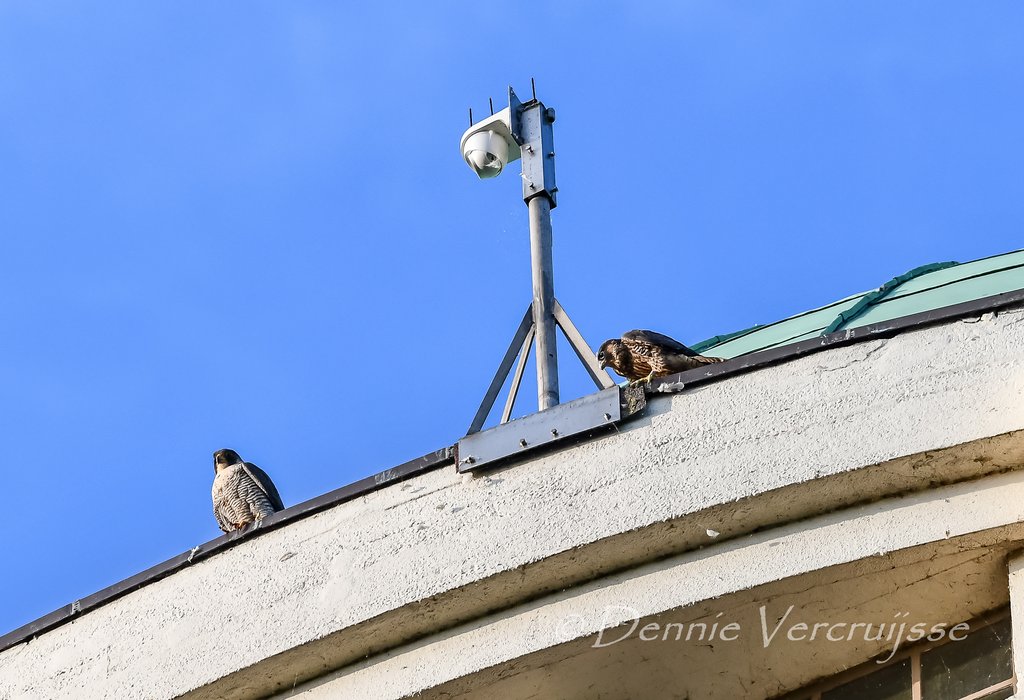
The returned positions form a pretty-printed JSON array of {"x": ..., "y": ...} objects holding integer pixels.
[
  {"x": 533, "y": 87},
  {"x": 491, "y": 103},
  {"x": 471, "y": 116}
]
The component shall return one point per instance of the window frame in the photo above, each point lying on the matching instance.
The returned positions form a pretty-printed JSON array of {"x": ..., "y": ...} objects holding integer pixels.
[{"x": 815, "y": 690}]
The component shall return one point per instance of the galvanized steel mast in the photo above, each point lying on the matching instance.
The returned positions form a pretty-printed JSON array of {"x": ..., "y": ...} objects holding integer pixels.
[{"x": 524, "y": 130}]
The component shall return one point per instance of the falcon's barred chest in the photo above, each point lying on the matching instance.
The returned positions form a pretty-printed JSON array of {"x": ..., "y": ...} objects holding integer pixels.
[{"x": 237, "y": 499}]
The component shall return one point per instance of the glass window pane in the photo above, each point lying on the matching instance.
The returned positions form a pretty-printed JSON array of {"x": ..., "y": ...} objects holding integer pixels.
[
  {"x": 890, "y": 682},
  {"x": 957, "y": 669}
]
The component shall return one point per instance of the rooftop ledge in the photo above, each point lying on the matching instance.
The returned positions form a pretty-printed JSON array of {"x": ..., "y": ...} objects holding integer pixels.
[{"x": 891, "y": 409}]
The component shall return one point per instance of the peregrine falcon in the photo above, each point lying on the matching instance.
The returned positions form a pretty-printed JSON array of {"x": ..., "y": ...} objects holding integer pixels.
[
  {"x": 242, "y": 492},
  {"x": 643, "y": 355}
]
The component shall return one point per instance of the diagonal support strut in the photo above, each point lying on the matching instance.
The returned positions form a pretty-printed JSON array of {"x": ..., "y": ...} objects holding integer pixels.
[
  {"x": 583, "y": 351},
  {"x": 517, "y": 378},
  {"x": 525, "y": 326},
  {"x": 519, "y": 348}
]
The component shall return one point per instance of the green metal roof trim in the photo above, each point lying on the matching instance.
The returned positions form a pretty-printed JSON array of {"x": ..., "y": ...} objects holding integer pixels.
[
  {"x": 922, "y": 289},
  {"x": 712, "y": 342},
  {"x": 861, "y": 307}
]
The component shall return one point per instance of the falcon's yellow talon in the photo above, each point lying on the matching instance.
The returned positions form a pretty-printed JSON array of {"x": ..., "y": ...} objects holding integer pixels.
[{"x": 646, "y": 380}]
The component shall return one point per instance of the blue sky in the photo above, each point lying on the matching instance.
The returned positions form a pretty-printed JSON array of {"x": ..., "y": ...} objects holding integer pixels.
[{"x": 248, "y": 225}]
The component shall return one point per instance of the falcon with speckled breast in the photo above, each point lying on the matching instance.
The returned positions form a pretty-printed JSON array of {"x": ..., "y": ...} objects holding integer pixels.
[
  {"x": 642, "y": 355},
  {"x": 242, "y": 492}
]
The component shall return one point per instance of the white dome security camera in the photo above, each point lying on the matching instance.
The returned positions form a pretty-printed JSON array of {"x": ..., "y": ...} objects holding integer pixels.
[
  {"x": 488, "y": 146},
  {"x": 486, "y": 152}
]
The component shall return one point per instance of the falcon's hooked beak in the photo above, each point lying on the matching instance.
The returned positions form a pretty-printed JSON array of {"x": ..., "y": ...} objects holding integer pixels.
[{"x": 602, "y": 359}]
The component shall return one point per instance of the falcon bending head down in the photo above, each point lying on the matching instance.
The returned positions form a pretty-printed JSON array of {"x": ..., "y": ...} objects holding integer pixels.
[
  {"x": 643, "y": 355},
  {"x": 242, "y": 492}
]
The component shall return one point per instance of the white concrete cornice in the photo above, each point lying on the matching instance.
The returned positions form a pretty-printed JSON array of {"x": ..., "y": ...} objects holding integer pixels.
[
  {"x": 963, "y": 519},
  {"x": 853, "y": 424}
]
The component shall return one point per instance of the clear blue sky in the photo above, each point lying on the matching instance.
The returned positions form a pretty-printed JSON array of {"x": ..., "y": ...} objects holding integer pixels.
[{"x": 248, "y": 225}]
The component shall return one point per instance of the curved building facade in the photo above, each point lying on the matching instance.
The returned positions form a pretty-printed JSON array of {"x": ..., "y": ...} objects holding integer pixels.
[{"x": 835, "y": 512}]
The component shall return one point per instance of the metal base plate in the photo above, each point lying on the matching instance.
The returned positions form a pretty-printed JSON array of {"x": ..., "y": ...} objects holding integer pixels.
[{"x": 518, "y": 437}]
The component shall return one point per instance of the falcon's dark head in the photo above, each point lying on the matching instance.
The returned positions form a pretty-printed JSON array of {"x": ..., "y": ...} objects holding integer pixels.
[
  {"x": 224, "y": 458},
  {"x": 614, "y": 353}
]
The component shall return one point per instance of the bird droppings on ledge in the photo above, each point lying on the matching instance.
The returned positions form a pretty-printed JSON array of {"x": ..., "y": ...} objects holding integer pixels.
[
  {"x": 632, "y": 399},
  {"x": 985, "y": 317}
]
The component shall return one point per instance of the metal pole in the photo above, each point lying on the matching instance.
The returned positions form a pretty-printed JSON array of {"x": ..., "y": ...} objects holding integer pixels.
[{"x": 543, "y": 301}]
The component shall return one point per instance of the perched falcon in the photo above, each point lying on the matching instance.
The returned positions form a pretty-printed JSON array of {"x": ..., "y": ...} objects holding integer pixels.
[
  {"x": 643, "y": 355},
  {"x": 242, "y": 492}
]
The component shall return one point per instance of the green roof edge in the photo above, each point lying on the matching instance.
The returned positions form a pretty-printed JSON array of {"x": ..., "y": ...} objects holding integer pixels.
[
  {"x": 711, "y": 342},
  {"x": 873, "y": 297}
]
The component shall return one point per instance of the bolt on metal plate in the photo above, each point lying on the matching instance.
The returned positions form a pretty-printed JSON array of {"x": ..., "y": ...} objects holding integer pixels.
[{"x": 540, "y": 429}]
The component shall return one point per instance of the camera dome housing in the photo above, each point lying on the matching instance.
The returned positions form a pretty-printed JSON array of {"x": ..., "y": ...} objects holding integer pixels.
[
  {"x": 486, "y": 152},
  {"x": 488, "y": 146}
]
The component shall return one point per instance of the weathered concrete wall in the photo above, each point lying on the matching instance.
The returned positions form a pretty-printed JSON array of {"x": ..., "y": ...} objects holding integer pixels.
[
  {"x": 941, "y": 538},
  {"x": 440, "y": 549}
]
